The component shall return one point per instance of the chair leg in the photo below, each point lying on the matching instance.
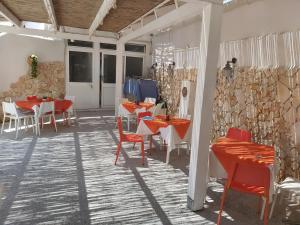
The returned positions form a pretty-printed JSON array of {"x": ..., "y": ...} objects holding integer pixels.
[
  {"x": 9, "y": 124},
  {"x": 118, "y": 152},
  {"x": 3, "y": 122},
  {"x": 54, "y": 122},
  {"x": 32, "y": 123},
  {"x": 143, "y": 152},
  {"x": 128, "y": 123},
  {"x": 17, "y": 122},
  {"x": 42, "y": 122},
  {"x": 264, "y": 202},
  {"x": 150, "y": 142},
  {"x": 266, "y": 211},
  {"x": 222, "y": 204},
  {"x": 274, "y": 202}
]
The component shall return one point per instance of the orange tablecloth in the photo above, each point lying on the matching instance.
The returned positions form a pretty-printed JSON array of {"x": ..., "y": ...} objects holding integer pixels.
[
  {"x": 60, "y": 105},
  {"x": 131, "y": 106},
  {"x": 181, "y": 125},
  {"x": 231, "y": 152}
]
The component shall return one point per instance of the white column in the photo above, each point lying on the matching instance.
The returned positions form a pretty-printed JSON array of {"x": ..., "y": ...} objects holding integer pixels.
[
  {"x": 205, "y": 89},
  {"x": 119, "y": 75}
]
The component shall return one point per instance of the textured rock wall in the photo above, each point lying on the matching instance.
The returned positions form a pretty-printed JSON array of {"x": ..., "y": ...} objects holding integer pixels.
[
  {"x": 49, "y": 82},
  {"x": 169, "y": 83},
  {"x": 265, "y": 102}
]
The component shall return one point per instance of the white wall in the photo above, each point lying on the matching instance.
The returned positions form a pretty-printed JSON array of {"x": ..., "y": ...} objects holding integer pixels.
[
  {"x": 261, "y": 18},
  {"x": 255, "y": 19},
  {"x": 14, "y": 51}
]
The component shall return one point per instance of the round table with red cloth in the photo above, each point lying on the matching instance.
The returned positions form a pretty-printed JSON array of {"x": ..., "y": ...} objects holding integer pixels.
[{"x": 60, "y": 105}]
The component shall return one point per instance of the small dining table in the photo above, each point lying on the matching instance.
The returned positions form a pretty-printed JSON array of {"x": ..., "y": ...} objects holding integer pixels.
[
  {"x": 173, "y": 131},
  {"x": 231, "y": 152},
  {"x": 59, "y": 105},
  {"x": 132, "y": 107}
]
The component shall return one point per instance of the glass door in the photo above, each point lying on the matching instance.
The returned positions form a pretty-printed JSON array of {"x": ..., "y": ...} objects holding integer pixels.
[
  {"x": 80, "y": 82},
  {"x": 108, "y": 79}
]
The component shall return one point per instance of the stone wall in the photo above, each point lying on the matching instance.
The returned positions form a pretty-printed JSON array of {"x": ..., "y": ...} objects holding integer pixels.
[
  {"x": 169, "y": 83},
  {"x": 265, "y": 102},
  {"x": 49, "y": 82}
]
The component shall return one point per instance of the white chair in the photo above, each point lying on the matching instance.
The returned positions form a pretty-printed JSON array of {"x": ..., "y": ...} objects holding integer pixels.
[
  {"x": 289, "y": 186},
  {"x": 124, "y": 113},
  {"x": 156, "y": 110},
  {"x": 150, "y": 100},
  {"x": 71, "y": 110},
  {"x": 10, "y": 111},
  {"x": 187, "y": 142},
  {"x": 46, "y": 109}
]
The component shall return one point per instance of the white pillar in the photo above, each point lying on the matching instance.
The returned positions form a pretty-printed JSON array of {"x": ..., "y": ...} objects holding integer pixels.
[
  {"x": 205, "y": 89},
  {"x": 119, "y": 75}
]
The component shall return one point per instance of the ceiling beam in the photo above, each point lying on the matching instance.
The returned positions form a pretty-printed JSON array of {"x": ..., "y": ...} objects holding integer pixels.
[
  {"x": 101, "y": 14},
  {"x": 57, "y": 34},
  {"x": 154, "y": 10},
  {"x": 219, "y": 2},
  {"x": 9, "y": 15},
  {"x": 51, "y": 13},
  {"x": 183, "y": 12}
]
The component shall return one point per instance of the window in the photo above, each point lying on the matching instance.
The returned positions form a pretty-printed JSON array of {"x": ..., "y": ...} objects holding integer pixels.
[
  {"x": 108, "y": 46},
  {"x": 80, "y": 66},
  {"x": 135, "y": 48},
  {"x": 87, "y": 44},
  {"x": 134, "y": 66}
]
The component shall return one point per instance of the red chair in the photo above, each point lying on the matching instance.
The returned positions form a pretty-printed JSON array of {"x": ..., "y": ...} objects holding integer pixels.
[
  {"x": 244, "y": 178},
  {"x": 238, "y": 134},
  {"x": 132, "y": 138},
  {"x": 32, "y": 98},
  {"x": 141, "y": 115}
]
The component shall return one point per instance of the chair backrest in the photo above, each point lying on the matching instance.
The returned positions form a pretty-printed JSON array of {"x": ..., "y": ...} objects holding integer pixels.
[
  {"x": 157, "y": 109},
  {"x": 71, "y": 98},
  {"x": 150, "y": 100},
  {"x": 238, "y": 134},
  {"x": 46, "y": 107},
  {"x": 9, "y": 108},
  {"x": 141, "y": 115},
  {"x": 122, "y": 100},
  {"x": 32, "y": 97},
  {"x": 185, "y": 116},
  {"x": 120, "y": 127}
]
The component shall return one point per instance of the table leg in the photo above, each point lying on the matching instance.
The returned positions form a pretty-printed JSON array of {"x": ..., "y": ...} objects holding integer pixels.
[{"x": 168, "y": 154}]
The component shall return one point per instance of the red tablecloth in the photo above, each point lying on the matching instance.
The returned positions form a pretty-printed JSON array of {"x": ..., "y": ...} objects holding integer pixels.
[
  {"x": 131, "y": 106},
  {"x": 253, "y": 158},
  {"x": 60, "y": 105},
  {"x": 181, "y": 125}
]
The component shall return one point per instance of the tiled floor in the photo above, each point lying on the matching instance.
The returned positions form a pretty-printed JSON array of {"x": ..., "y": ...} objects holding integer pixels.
[{"x": 69, "y": 178}]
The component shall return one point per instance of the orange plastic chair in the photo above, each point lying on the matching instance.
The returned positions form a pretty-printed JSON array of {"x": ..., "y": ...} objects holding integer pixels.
[
  {"x": 238, "y": 134},
  {"x": 141, "y": 115},
  {"x": 32, "y": 98},
  {"x": 132, "y": 138},
  {"x": 248, "y": 178}
]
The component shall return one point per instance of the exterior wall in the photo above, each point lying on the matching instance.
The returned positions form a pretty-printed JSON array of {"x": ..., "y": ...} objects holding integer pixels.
[{"x": 14, "y": 51}]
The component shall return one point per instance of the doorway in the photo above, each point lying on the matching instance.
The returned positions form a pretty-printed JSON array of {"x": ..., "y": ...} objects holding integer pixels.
[{"x": 107, "y": 79}]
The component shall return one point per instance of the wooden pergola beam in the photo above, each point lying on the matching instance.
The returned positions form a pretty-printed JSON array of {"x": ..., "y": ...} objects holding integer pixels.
[
  {"x": 104, "y": 9},
  {"x": 51, "y": 13},
  {"x": 57, "y": 34},
  {"x": 185, "y": 11},
  {"x": 5, "y": 12}
]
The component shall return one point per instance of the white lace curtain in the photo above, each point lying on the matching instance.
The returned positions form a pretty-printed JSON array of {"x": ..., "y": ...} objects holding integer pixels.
[{"x": 268, "y": 51}]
